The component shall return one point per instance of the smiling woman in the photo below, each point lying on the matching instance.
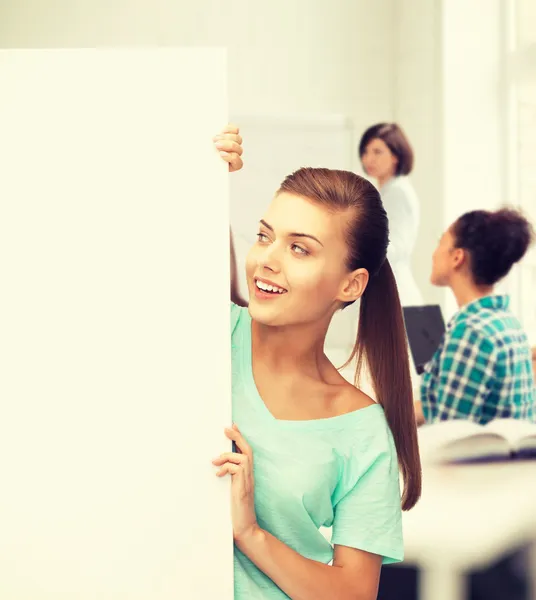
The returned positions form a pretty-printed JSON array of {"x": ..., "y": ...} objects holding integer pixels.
[{"x": 314, "y": 450}]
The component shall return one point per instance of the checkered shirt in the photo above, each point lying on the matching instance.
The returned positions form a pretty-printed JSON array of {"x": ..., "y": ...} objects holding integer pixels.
[{"x": 482, "y": 369}]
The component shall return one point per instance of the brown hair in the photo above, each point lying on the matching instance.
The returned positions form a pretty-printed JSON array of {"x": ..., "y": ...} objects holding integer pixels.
[
  {"x": 235, "y": 293},
  {"x": 495, "y": 241},
  {"x": 381, "y": 338},
  {"x": 396, "y": 141}
]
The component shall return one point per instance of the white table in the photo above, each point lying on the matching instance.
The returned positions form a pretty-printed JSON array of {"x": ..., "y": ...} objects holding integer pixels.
[{"x": 468, "y": 517}]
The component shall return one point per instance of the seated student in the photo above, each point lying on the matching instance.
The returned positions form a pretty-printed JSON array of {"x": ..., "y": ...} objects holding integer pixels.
[{"x": 482, "y": 369}]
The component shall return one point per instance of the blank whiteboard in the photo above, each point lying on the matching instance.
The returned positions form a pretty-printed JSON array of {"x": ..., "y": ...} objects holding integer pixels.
[
  {"x": 274, "y": 147},
  {"x": 114, "y": 308}
]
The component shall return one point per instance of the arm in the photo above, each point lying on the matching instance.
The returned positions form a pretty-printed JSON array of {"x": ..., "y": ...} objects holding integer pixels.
[
  {"x": 419, "y": 414},
  {"x": 459, "y": 384},
  {"x": 367, "y": 526},
  {"x": 353, "y": 576}
]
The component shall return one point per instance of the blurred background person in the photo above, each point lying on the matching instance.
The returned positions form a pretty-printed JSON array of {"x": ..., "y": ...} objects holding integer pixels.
[
  {"x": 483, "y": 367},
  {"x": 387, "y": 156}
]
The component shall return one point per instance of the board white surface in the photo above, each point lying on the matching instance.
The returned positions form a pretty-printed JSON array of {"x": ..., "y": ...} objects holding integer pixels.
[{"x": 114, "y": 269}]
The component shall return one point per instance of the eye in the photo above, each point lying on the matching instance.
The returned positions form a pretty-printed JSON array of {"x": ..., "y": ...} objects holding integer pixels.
[
  {"x": 262, "y": 237},
  {"x": 299, "y": 250}
]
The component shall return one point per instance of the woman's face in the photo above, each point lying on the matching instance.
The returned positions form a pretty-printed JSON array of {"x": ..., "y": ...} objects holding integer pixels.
[
  {"x": 297, "y": 271},
  {"x": 378, "y": 161},
  {"x": 446, "y": 260}
]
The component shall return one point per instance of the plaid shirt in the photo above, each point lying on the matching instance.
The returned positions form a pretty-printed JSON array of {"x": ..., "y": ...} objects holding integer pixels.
[{"x": 482, "y": 369}]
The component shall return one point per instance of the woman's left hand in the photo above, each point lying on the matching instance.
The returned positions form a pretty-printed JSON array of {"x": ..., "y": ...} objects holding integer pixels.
[{"x": 240, "y": 466}]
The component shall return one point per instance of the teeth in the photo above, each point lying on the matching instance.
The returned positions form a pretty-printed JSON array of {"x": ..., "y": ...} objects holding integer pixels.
[{"x": 269, "y": 288}]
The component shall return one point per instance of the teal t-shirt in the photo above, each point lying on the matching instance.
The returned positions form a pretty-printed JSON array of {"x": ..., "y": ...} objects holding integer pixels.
[{"x": 340, "y": 472}]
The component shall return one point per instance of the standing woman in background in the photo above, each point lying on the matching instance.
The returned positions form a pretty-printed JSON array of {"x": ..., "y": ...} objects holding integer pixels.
[{"x": 387, "y": 156}]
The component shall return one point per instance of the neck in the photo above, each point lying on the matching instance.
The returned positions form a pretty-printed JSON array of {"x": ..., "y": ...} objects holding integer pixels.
[
  {"x": 291, "y": 348},
  {"x": 383, "y": 180},
  {"x": 466, "y": 291}
]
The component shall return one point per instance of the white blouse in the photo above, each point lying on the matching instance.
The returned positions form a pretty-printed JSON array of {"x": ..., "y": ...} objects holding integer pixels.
[{"x": 402, "y": 206}]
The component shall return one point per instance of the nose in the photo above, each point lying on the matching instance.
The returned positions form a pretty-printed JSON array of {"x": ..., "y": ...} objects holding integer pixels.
[{"x": 270, "y": 259}]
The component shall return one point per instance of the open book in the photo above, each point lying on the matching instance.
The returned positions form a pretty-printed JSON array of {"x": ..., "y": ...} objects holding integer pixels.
[{"x": 463, "y": 441}]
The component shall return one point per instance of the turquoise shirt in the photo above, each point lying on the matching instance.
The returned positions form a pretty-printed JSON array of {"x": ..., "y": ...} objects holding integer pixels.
[{"x": 340, "y": 472}]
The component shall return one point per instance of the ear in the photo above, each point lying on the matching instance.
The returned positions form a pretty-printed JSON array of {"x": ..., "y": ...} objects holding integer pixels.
[
  {"x": 459, "y": 257},
  {"x": 353, "y": 286}
]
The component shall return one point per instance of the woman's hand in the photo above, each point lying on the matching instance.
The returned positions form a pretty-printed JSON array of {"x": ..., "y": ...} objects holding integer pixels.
[
  {"x": 419, "y": 414},
  {"x": 229, "y": 144},
  {"x": 239, "y": 465}
]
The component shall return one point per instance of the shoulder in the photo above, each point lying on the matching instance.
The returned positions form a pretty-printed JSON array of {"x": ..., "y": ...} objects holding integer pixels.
[
  {"x": 471, "y": 335},
  {"x": 350, "y": 399},
  {"x": 400, "y": 194},
  {"x": 366, "y": 433},
  {"x": 400, "y": 186}
]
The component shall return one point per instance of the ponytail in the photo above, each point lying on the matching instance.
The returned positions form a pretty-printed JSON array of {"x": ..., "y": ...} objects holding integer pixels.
[{"x": 381, "y": 345}]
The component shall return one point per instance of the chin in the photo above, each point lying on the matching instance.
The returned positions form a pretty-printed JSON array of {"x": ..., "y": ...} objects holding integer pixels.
[
  {"x": 437, "y": 281},
  {"x": 264, "y": 314}
]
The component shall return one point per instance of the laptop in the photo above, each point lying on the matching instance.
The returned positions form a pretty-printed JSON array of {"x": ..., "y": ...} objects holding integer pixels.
[{"x": 425, "y": 327}]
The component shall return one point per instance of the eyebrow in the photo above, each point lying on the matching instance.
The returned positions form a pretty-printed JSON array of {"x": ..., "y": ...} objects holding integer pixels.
[{"x": 294, "y": 234}]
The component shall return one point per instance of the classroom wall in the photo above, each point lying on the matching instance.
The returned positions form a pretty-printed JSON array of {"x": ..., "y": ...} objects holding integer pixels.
[
  {"x": 417, "y": 100},
  {"x": 448, "y": 95}
]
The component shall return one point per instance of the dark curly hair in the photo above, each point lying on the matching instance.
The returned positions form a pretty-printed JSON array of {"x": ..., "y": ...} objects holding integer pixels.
[{"x": 494, "y": 240}]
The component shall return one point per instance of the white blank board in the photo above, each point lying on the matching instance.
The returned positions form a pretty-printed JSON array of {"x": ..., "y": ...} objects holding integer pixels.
[{"x": 114, "y": 325}]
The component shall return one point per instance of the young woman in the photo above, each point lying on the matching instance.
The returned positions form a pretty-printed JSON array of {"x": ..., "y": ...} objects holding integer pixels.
[
  {"x": 482, "y": 370},
  {"x": 387, "y": 156},
  {"x": 313, "y": 450}
]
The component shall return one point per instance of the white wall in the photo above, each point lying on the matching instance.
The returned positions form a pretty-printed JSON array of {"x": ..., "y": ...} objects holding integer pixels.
[
  {"x": 449, "y": 71},
  {"x": 473, "y": 112},
  {"x": 418, "y": 108}
]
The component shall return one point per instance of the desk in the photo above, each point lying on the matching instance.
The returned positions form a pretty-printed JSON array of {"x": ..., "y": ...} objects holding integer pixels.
[{"x": 468, "y": 517}]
